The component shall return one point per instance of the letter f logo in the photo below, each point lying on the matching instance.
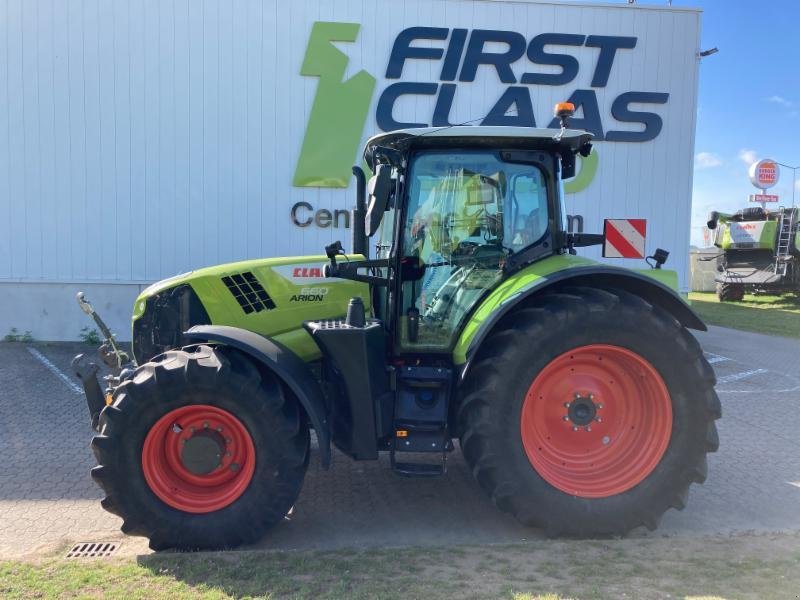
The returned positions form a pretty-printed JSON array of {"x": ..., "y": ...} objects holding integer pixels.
[{"x": 339, "y": 111}]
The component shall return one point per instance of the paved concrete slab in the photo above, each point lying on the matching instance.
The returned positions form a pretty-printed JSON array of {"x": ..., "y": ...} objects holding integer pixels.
[{"x": 47, "y": 497}]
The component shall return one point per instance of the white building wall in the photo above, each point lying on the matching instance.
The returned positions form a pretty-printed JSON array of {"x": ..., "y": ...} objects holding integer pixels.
[{"x": 143, "y": 138}]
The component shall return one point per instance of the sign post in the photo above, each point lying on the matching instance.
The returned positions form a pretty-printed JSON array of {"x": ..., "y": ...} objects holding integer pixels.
[{"x": 763, "y": 198}]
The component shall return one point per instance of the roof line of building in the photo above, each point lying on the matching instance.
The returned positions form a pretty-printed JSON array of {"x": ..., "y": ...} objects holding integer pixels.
[{"x": 583, "y": 4}]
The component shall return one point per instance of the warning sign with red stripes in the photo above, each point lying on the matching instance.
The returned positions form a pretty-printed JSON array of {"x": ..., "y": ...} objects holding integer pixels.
[{"x": 624, "y": 238}]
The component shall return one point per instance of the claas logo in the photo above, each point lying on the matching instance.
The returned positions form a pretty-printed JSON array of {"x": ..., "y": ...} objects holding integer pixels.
[{"x": 309, "y": 272}]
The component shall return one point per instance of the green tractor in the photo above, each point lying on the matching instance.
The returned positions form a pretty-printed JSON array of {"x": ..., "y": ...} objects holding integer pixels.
[
  {"x": 761, "y": 251},
  {"x": 579, "y": 399}
]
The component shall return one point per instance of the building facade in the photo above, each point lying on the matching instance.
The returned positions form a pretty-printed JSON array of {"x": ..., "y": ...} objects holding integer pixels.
[{"x": 140, "y": 139}]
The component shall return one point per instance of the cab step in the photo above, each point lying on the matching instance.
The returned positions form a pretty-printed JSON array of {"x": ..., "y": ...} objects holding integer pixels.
[
  {"x": 407, "y": 469},
  {"x": 420, "y": 421},
  {"x": 416, "y": 440}
]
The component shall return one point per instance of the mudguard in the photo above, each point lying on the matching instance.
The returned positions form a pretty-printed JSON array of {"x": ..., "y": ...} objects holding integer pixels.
[
  {"x": 286, "y": 365},
  {"x": 598, "y": 276}
]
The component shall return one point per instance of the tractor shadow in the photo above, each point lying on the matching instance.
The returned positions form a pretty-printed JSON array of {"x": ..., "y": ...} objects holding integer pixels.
[
  {"x": 358, "y": 504},
  {"x": 351, "y": 515}
]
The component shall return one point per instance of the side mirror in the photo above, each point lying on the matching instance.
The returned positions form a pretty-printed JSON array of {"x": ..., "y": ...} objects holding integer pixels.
[
  {"x": 379, "y": 188},
  {"x": 713, "y": 218}
]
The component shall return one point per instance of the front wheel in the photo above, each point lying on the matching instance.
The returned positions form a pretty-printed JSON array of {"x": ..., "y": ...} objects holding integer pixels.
[
  {"x": 730, "y": 292},
  {"x": 199, "y": 450},
  {"x": 589, "y": 413}
]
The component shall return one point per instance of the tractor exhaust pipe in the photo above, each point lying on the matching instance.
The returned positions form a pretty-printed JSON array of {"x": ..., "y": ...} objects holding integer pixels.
[{"x": 360, "y": 244}]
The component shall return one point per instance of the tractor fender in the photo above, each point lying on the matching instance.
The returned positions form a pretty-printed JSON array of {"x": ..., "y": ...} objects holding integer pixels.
[
  {"x": 285, "y": 364},
  {"x": 598, "y": 276}
]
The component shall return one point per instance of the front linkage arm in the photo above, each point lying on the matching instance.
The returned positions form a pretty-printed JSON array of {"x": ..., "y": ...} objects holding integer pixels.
[
  {"x": 109, "y": 351},
  {"x": 112, "y": 355}
]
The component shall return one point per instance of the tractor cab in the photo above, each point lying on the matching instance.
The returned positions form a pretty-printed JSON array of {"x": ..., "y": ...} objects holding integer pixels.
[{"x": 453, "y": 212}]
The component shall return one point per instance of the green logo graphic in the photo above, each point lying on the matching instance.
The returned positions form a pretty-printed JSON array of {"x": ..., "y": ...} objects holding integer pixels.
[
  {"x": 339, "y": 112},
  {"x": 586, "y": 174}
]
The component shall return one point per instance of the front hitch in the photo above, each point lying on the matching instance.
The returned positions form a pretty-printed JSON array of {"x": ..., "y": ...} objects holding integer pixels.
[
  {"x": 113, "y": 357},
  {"x": 95, "y": 399},
  {"x": 111, "y": 353}
]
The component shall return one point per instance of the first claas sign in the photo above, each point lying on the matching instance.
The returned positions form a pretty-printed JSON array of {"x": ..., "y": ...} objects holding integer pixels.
[{"x": 764, "y": 174}]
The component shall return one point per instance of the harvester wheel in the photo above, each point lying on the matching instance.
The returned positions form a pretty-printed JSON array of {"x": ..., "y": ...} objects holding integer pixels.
[
  {"x": 730, "y": 292},
  {"x": 199, "y": 450},
  {"x": 589, "y": 412}
]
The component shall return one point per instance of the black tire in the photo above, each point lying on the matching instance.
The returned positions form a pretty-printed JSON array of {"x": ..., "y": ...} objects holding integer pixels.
[
  {"x": 223, "y": 378},
  {"x": 730, "y": 292},
  {"x": 514, "y": 354}
]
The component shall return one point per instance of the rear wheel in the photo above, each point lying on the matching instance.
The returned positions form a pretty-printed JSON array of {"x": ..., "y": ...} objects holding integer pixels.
[
  {"x": 199, "y": 450},
  {"x": 730, "y": 292},
  {"x": 606, "y": 421}
]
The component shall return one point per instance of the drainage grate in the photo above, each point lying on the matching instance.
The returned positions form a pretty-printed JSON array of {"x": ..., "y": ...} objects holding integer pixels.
[
  {"x": 249, "y": 293},
  {"x": 93, "y": 550}
]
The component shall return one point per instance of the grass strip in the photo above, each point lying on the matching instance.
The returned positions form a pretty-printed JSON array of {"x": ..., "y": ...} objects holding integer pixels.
[
  {"x": 746, "y": 566},
  {"x": 772, "y": 315}
]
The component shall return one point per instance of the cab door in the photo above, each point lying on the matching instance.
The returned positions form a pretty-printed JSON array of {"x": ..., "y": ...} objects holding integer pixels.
[{"x": 466, "y": 213}]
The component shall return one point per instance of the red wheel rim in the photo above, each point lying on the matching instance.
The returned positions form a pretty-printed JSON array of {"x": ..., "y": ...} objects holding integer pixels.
[
  {"x": 629, "y": 428},
  {"x": 170, "y": 478}
]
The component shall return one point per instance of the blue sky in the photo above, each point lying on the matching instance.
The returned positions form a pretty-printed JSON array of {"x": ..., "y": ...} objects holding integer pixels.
[{"x": 749, "y": 103}]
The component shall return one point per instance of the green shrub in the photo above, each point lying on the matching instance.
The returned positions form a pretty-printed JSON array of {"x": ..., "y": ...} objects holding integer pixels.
[
  {"x": 15, "y": 336},
  {"x": 89, "y": 336}
]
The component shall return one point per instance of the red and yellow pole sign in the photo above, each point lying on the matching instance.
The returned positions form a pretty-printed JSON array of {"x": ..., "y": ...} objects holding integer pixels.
[{"x": 764, "y": 174}]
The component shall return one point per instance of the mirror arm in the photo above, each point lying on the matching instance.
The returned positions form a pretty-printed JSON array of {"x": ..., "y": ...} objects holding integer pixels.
[
  {"x": 349, "y": 270},
  {"x": 583, "y": 240},
  {"x": 570, "y": 241}
]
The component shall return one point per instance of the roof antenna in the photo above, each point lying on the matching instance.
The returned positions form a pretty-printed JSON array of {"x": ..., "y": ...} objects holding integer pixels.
[{"x": 508, "y": 113}]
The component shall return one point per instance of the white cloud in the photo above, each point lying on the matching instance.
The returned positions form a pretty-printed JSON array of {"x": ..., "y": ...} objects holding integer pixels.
[
  {"x": 781, "y": 100},
  {"x": 748, "y": 156},
  {"x": 706, "y": 160}
]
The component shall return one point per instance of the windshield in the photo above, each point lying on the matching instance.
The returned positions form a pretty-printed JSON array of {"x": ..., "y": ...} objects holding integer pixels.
[
  {"x": 467, "y": 212},
  {"x": 473, "y": 198}
]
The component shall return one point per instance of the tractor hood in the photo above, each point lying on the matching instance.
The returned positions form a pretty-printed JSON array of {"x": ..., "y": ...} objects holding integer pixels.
[{"x": 271, "y": 296}]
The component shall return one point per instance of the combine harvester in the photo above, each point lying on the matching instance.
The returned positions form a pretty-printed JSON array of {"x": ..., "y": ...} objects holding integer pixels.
[{"x": 761, "y": 252}]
